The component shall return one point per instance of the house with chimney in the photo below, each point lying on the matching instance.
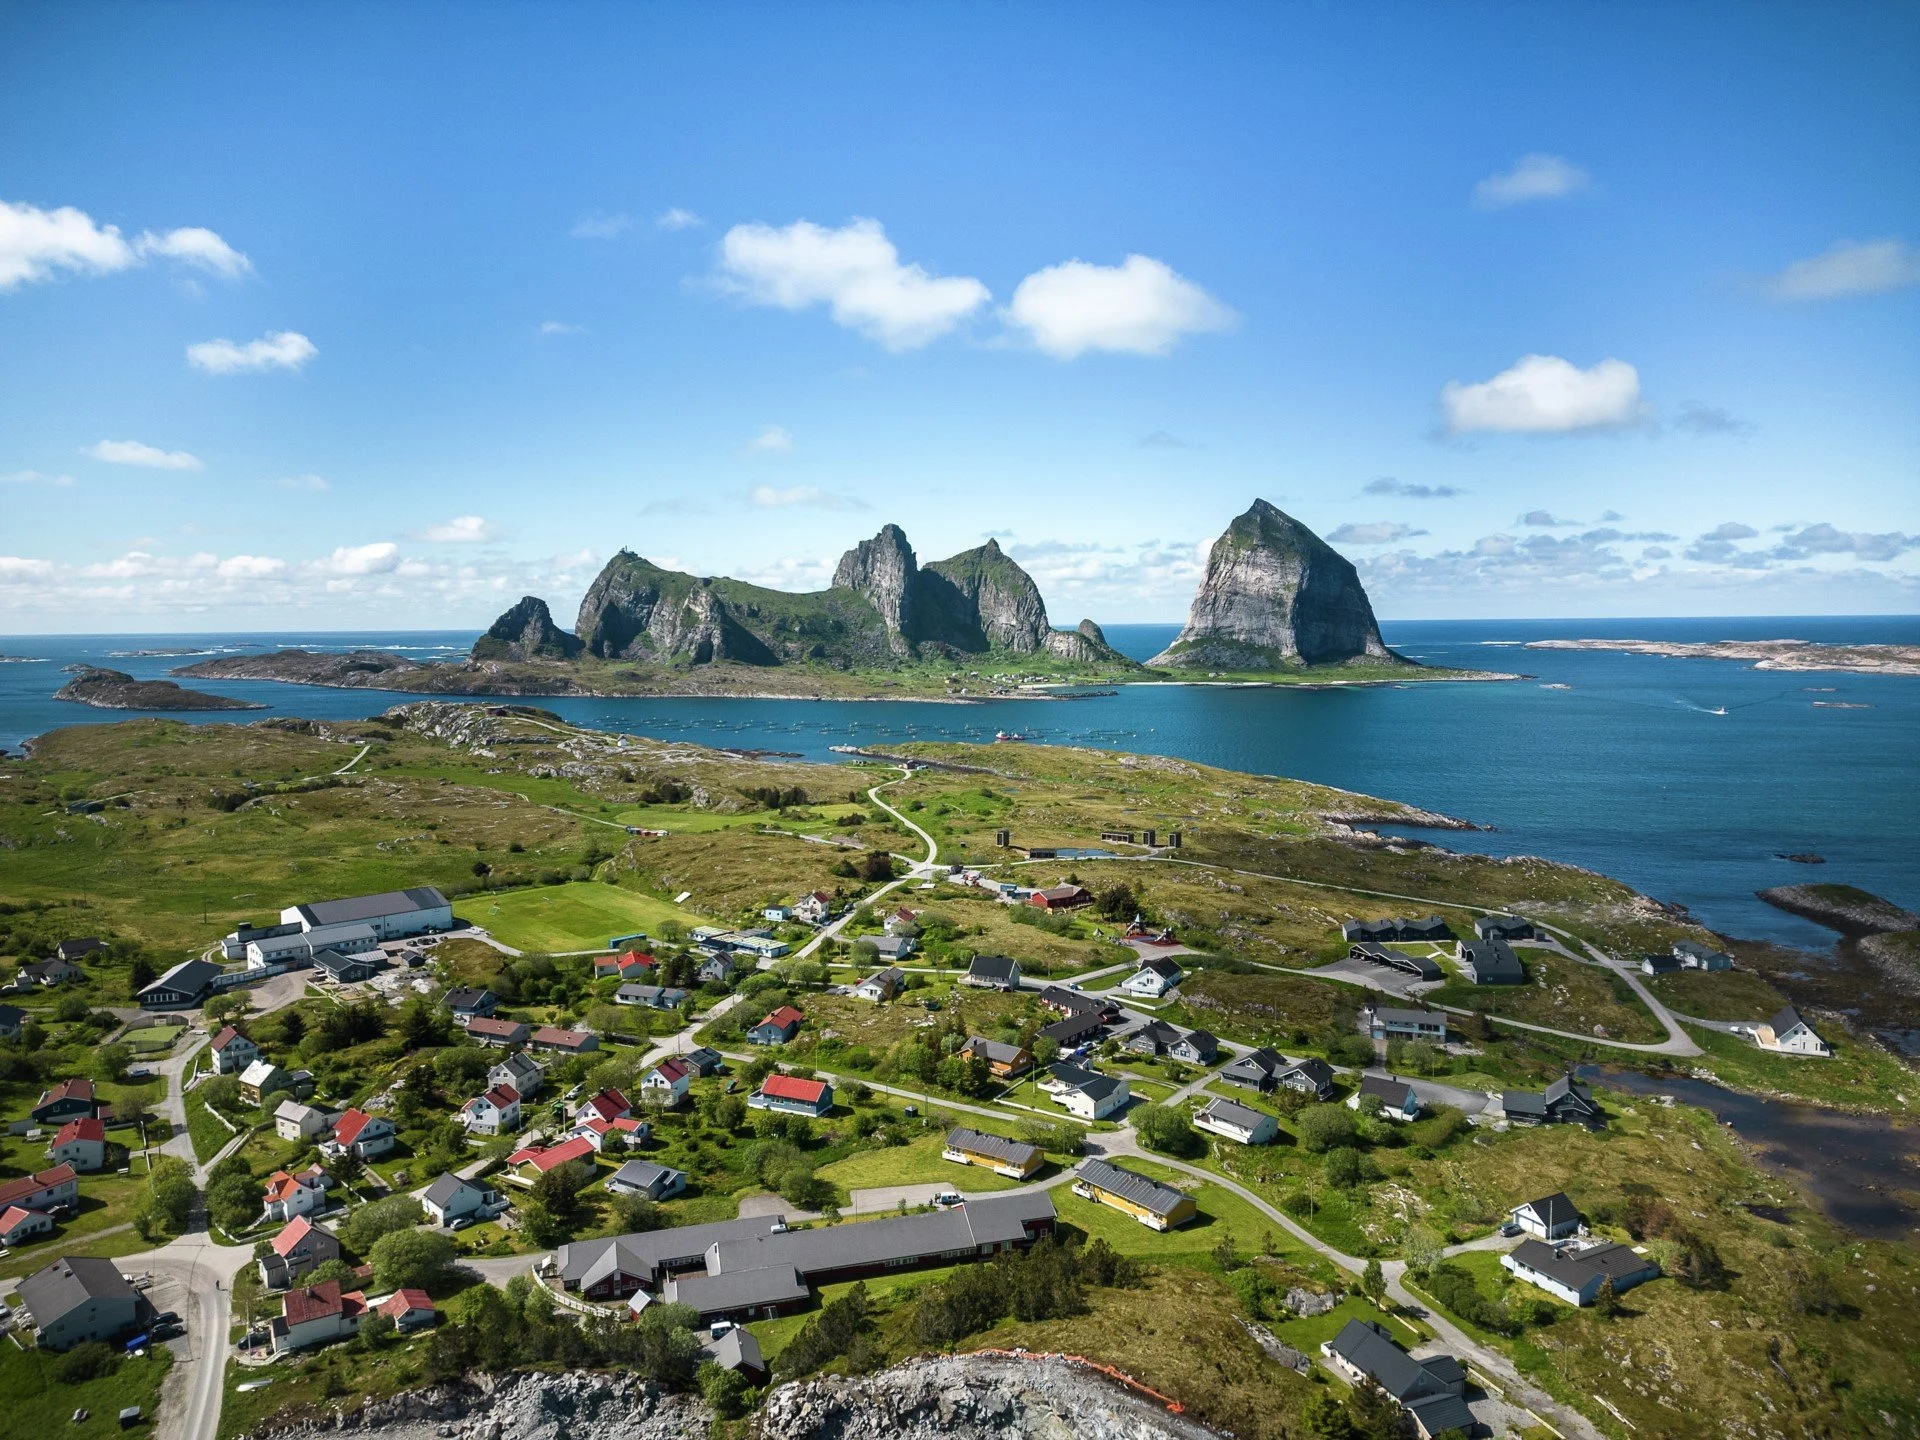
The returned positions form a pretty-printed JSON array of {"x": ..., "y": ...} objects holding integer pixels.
[{"x": 298, "y": 1249}]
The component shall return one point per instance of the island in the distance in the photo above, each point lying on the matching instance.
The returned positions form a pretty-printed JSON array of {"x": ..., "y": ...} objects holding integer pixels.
[
  {"x": 1277, "y": 605},
  {"x": 1764, "y": 654},
  {"x": 116, "y": 690}
]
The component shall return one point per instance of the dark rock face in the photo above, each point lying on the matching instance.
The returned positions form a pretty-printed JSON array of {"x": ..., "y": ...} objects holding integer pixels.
[
  {"x": 884, "y": 570},
  {"x": 117, "y": 690},
  {"x": 991, "y": 598},
  {"x": 527, "y": 632},
  {"x": 1276, "y": 596}
]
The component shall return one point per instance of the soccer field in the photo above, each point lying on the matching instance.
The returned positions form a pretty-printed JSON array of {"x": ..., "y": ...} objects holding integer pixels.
[{"x": 582, "y": 915}]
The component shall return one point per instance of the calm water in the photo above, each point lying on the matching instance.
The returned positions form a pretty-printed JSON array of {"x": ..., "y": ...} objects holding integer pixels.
[
  {"x": 1862, "y": 1170},
  {"x": 1626, "y": 771}
]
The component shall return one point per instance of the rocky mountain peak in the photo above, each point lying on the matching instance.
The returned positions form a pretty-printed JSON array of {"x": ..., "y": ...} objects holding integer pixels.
[
  {"x": 883, "y": 569},
  {"x": 526, "y": 632},
  {"x": 1275, "y": 596}
]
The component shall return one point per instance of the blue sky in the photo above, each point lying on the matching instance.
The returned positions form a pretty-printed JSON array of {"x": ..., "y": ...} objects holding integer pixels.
[{"x": 342, "y": 316}]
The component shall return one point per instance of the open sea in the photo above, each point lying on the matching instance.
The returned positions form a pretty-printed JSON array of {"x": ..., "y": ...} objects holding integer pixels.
[{"x": 1625, "y": 765}]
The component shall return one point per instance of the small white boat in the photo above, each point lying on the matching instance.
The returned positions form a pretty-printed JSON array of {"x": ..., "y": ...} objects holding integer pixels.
[{"x": 1001, "y": 735}]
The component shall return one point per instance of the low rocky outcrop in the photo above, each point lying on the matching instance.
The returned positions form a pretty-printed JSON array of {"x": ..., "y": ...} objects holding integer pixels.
[
  {"x": 352, "y": 669},
  {"x": 527, "y": 632},
  {"x": 1845, "y": 908},
  {"x": 511, "y": 1407},
  {"x": 117, "y": 690},
  {"x": 1275, "y": 597}
]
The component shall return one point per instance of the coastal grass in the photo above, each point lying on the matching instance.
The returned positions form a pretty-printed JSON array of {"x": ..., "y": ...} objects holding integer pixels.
[
  {"x": 1717, "y": 994},
  {"x": 205, "y": 1130},
  {"x": 1562, "y": 993},
  {"x": 40, "y": 1403},
  {"x": 1858, "y": 1075},
  {"x": 581, "y": 915}
]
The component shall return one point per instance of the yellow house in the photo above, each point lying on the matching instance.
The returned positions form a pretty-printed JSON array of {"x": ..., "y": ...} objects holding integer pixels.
[
  {"x": 1012, "y": 1158},
  {"x": 1158, "y": 1206}
]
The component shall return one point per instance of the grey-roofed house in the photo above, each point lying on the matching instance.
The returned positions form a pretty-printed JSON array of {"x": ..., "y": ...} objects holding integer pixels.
[
  {"x": 182, "y": 987},
  {"x": 346, "y": 969},
  {"x": 1074, "y": 1030},
  {"x": 1504, "y": 927},
  {"x": 1788, "y": 1032},
  {"x": 881, "y": 986},
  {"x": 737, "y": 1349},
  {"x": 751, "y": 1294},
  {"x": 80, "y": 1298},
  {"x": 1565, "y": 1102},
  {"x": 1015, "y": 1159},
  {"x": 1196, "y": 1047},
  {"x": 1656, "y": 964},
  {"x": 1420, "y": 967},
  {"x": 1387, "y": 1021},
  {"x": 1255, "y": 1070},
  {"x": 1397, "y": 1100},
  {"x": 1550, "y": 1217},
  {"x": 1575, "y": 1273},
  {"x": 1152, "y": 1038},
  {"x": 12, "y": 1019},
  {"x": 393, "y": 914},
  {"x": 521, "y": 1071},
  {"x": 1004, "y": 1060},
  {"x": 993, "y": 972},
  {"x": 1067, "y": 1001},
  {"x": 1432, "y": 1391},
  {"x": 1309, "y": 1076},
  {"x": 467, "y": 1003},
  {"x": 1491, "y": 962},
  {"x": 1695, "y": 956},
  {"x": 653, "y": 997},
  {"x": 1086, "y": 1093},
  {"x": 451, "y": 1198},
  {"x": 643, "y": 1177},
  {"x": 1239, "y": 1123},
  {"x": 615, "y": 1267},
  {"x": 1153, "y": 1204},
  {"x": 705, "y": 1060}
]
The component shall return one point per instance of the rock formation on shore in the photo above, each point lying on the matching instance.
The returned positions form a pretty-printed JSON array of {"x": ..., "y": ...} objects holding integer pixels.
[
  {"x": 1276, "y": 597},
  {"x": 117, "y": 690},
  {"x": 526, "y": 632}
]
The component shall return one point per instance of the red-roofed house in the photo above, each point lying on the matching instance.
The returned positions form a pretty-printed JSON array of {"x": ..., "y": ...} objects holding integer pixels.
[
  {"x": 793, "y": 1095},
  {"x": 317, "y": 1315},
  {"x": 778, "y": 1028},
  {"x": 572, "y": 1042},
  {"x": 366, "y": 1135},
  {"x": 502, "y": 1034},
  {"x": 290, "y": 1195},
  {"x": 666, "y": 1084},
  {"x": 493, "y": 1113},
  {"x": 233, "y": 1052},
  {"x": 55, "y": 1190},
  {"x": 630, "y": 966},
  {"x": 609, "y": 1104},
  {"x": 537, "y": 1160},
  {"x": 814, "y": 908},
  {"x": 297, "y": 1249},
  {"x": 409, "y": 1309},
  {"x": 81, "y": 1144},
  {"x": 18, "y": 1225},
  {"x": 69, "y": 1100}
]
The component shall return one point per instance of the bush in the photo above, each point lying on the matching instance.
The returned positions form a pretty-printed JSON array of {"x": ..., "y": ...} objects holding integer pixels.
[
  {"x": 1324, "y": 1127},
  {"x": 725, "y": 1391},
  {"x": 412, "y": 1257},
  {"x": 1454, "y": 1287},
  {"x": 90, "y": 1361},
  {"x": 366, "y": 1226},
  {"x": 1162, "y": 1128}
]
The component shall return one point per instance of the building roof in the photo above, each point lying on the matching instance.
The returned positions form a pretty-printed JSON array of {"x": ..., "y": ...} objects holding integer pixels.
[
  {"x": 792, "y": 1087},
  {"x": 1158, "y": 1031},
  {"x": 1492, "y": 960},
  {"x": 13, "y": 1215},
  {"x": 738, "y": 1289},
  {"x": 520, "y": 1066},
  {"x": 644, "y": 1174},
  {"x": 1313, "y": 1067},
  {"x": 296, "y": 1230},
  {"x": 448, "y": 1188},
  {"x": 259, "y": 1072},
  {"x": 1166, "y": 969},
  {"x": 499, "y": 1029},
  {"x": 77, "y": 1088},
  {"x": 988, "y": 1220},
  {"x": 334, "y": 963},
  {"x": 1553, "y": 1210},
  {"x": 1394, "y": 1015},
  {"x": 1072, "y": 1029},
  {"x": 1090, "y": 1083},
  {"x": 1137, "y": 1189},
  {"x": 348, "y": 1127},
  {"x": 1264, "y": 1060},
  {"x": 994, "y": 967},
  {"x": 1074, "y": 1002},
  {"x": 998, "y": 1052},
  {"x": 609, "y": 1104},
  {"x": 783, "y": 1017},
  {"x": 314, "y": 1302},
  {"x": 1366, "y": 1345},
  {"x": 991, "y": 1147},
  {"x": 1577, "y": 1268},
  {"x": 672, "y": 1070},
  {"x": 86, "y": 1128},
  {"x": 501, "y": 1096},
  {"x": 465, "y": 997},
  {"x": 586, "y": 1262},
  {"x": 1786, "y": 1020},
  {"x": 293, "y": 1110},
  {"x": 227, "y": 1036},
  {"x": 737, "y": 1350},
  {"x": 404, "y": 1300},
  {"x": 1063, "y": 894},
  {"x": 70, "y": 1282},
  {"x": 1226, "y": 1112},
  {"x": 566, "y": 1039},
  {"x": 29, "y": 1184},
  {"x": 189, "y": 977},
  {"x": 891, "y": 978},
  {"x": 551, "y": 1158},
  {"x": 372, "y": 907},
  {"x": 1394, "y": 1094}
]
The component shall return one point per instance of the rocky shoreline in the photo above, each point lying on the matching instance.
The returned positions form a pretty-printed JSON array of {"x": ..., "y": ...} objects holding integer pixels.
[
  {"x": 1800, "y": 655},
  {"x": 1853, "y": 912},
  {"x": 117, "y": 690},
  {"x": 952, "y": 1397}
]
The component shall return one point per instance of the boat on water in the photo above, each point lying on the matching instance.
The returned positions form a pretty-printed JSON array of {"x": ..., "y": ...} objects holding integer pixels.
[{"x": 1003, "y": 735}]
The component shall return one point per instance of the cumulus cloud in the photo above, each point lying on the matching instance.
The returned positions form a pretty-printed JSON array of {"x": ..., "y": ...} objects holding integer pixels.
[
  {"x": 1092, "y": 578},
  {"x": 37, "y": 244},
  {"x": 460, "y": 530},
  {"x": 249, "y": 567},
  {"x": 794, "y": 573},
  {"x": 1373, "y": 532},
  {"x": 1138, "y": 307},
  {"x": 34, "y": 477},
  {"x": 1848, "y": 267},
  {"x": 148, "y": 457},
  {"x": 1533, "y": 177},
  {"x": 561, "y": 327},
  {"x": 1387, "y": 485},
  {"x": 282, "y": 350},
  {"x": 1545, "y": 395},
  {"x": 596, "y": 226},
  {"x": 1825, "y": 539},
  {"x": 768, "y": 497},
  {"x": 674, "y": 218},
  {"x": 303, "y": 482},
  {"x": 374, "y": 559},
  {"x": 1544, "y": 520},
  {"x": 772, "y": 440},
  {"x": 854, "y": 271},
  {"x": 1698, "y": 419},
  {"x": 20, "y": 567}
]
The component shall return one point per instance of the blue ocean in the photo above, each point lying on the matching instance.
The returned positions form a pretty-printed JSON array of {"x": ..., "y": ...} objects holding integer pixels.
[{"x": 1688, "y": 779}]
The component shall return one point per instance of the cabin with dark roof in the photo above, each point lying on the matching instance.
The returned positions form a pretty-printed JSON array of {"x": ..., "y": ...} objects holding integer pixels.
[{"x": 1431, "y": 1391}]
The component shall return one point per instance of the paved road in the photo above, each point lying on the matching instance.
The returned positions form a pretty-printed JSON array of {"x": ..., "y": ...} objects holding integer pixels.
[{"x": 920, "y": 869}]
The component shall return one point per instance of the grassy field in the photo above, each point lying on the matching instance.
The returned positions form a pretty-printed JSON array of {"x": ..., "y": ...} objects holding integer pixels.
[
  {"x": 39, "y": 1403},
  {"x": 150, "y": 1040},
  {"x": 917, "y": 1163},
  {"x": 1717, "y": 994},
  {"x": 204, "y": 1129},
  {"x": 1261, "y": 1007},
  {"x": 1565, "y": 994},
  {"x": 577, "y": 916},
  {"x": 1857, "y": 1074}
]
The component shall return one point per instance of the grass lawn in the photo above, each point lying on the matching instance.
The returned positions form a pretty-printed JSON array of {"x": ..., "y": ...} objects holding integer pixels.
[
  {"x": 1855, "y": 1074},
  {"x": 40, "y": 1404},
  {"x": 916, "y": 1163},
  {"x": 304, "y": 1383},
  {"x": 1308, "y": 1332},
  {"x": 153, "y": 1039},
  {"x": 106, "y": 1203},
  {"x": 1562, "y": 993},
  {"x": 1222, "y": 1214},
  {"x": 204, "y": 1129},
  {"x": 581, "y": 915},
  {"x": 1717, "y": 994}
]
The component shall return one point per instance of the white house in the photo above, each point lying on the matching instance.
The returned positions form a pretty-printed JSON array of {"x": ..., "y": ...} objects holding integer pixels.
[
  {"x": 881, "y": 986},
  {"x": 294, "y": 1121},
  {"x": 643, "y": 1177},
  {"x": 317, "y": 1315},
  {"x": 1239, "y": 1123},
  {"x": 81, "y": 1144},
  {"x": 18, "y": 1226},
  {"x": 1790, "y": 1035},
  {"x": 1153, "y": 979},
  {"x": 1084, "y": 1093},
  {"x": 1397, "y": 1100},
  {"x": 494, "y": 1113},
  {"x": 778, "y": 914},
  {"x": 288, "y": 1195},
  {"x": 368, "y": 1136},
  {"x": 1549, "y": 1218},
  {"x": 813, "y": 909},
  {"x": 1575, "y": 1273},
  {"x": 297, "y": 1250},
  {"x": 450, "y": 1199},
  {"x": 232, "y": 1051},
  {"x": 522, "y": 1072},
  {"x": 666, "y": 1084}
]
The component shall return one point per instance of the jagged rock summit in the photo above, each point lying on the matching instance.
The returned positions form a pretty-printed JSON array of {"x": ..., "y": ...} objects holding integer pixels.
[
  {"x": 1276, "y": 597},
  {"x": 883, "y": 608}
]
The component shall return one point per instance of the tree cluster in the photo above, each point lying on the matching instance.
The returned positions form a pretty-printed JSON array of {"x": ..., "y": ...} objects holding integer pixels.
[
  {"x": 1047, "y": 1282},
  {"x": 497, "y": 1330}
]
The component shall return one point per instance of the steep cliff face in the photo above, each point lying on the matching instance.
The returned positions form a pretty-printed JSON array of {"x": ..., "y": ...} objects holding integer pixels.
[
  {"x": 1275, "y": 596},
  {"x": 1087, "y": 644},
  {"x": 984, "y": 595},
  {"x": 527, "y": 632},
  {"x": 884, "y": 570}
]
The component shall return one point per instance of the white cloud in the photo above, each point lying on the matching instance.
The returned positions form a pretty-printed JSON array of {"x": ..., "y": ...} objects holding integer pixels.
[
  {"x": 1847, "y": 267},
  {"x": 1406, "y": 489},
  {"x": 855, "y": 272},
  {"x": 1138, "y": 307},
  {"x": 196, "y": 245},
  {"x": 303, "y": 482},
  {"x": 1533, "y": 177},
  {"x": 561, "y": 327},
  {"x": 1544, "y": 520},
  {"x": 1164, "y": 440},
  {"x": 34, "y": 477},
  {"x": 282, "y": 350},
  {"x": 773, "y": 440},
  {"x": 375, "y": 559},
  {"x": 461, "y": 530},
  {"x": 1372, "y": 532},
  {"x": 18, "y": 567},
  {"x": 767, "y": 497},
  {"x": 795, "y": 573},
  {"x": 1545, "y": 395},
  {"x": 249, "y": 567},
  {"x": 675, "y": 218},
  {"x": 600, "y": 227},
  {"x": 149, "y": 457},
  {"x": 38, "y": 244}
]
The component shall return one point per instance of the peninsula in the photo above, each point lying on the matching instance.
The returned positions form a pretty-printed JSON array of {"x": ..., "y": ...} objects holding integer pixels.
[
  {"x": 1764, "y": 654},
  {"x": 117, "y": 690}
]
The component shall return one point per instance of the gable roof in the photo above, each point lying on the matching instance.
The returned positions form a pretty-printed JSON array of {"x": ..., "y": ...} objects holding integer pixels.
[
  {"x": 783, "y": 1017},
  {"x": 992, "y": 1147},
  {"x": 671, "y": 1070},
  {"x": 1163, "y": 967},
  {"x": 1368, "y": 1347},
  {"x": 348, "y": 1127},
  {"x": 1227, "y": 1112},
  {"x": 499, "y": 1029},
  {"x": 501, "y": 1096},
  {"x": 551, "y": 1158},
  {"x": 566, "y": 1039},
  {"x": 1129, "y": 1185},
  {"x": 448, "y": 1187},
  {"x": 465, "y": 997},
  {"x": 259, "y": 1072},
  {"x": 792, "y": 1087},
  {"x": 227, "y": 1036},
  {"x": 314, "y": 1302},
  {"x": 372, "y": 907},
  {"x": 83, "y": 1129},
  {"x": 189, "y": 977},
  {"x": 994, "y": 1050},
  {"x": 1264, "y": 1060},
  {"x": 994, "y": 967},
  {"x": 1395, "y": 1094},
  {"x": 1578, "y": 1268},
  {"x": 1786, "y": 1020},
  {"x": 1074, "y": 1002},
  {"x": 644, "y": 1174},
  {"x": 29, "y": 1184},
  {"x": 70, "y": 1282},
  {"x": 77, "y": 1088},
  {"x": 404, "y": 1300},
  {"x": 1553, "y": 1210},
  {"x": 297, "y": 1229}
]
